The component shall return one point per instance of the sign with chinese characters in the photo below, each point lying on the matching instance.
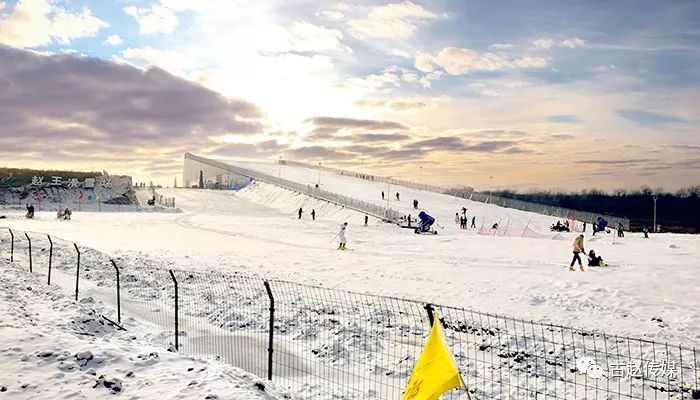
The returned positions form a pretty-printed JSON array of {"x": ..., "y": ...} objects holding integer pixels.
[
  {"x": 628, "y": 369},
  {"x": 71, "y": 183}
]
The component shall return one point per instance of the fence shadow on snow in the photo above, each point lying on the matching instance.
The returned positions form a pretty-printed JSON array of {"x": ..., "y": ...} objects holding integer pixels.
[{"x": 325, "y": 343}]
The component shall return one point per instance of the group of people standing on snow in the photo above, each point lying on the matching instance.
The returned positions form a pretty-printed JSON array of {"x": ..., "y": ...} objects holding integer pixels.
[
  {"x": 462, "y": 220},
  {"x": 300, "y": 212}
]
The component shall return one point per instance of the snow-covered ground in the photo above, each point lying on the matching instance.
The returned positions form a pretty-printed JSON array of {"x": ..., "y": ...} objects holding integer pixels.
[
  {"x": 256, "y": 232},
  {"x": 53, "y": 347}
]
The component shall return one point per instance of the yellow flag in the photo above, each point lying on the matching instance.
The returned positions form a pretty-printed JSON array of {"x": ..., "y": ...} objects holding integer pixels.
[{"x": 434, "y": 372}]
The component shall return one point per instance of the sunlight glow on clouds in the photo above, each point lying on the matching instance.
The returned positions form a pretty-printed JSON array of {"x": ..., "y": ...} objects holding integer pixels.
[
  {"x": 467, "y": 89},
  {"x": 459, "y": 61},
  {"x": 396, "y": 21},
  {"x": 33, "y": 23},
  {"x": 154, "y": 19}
]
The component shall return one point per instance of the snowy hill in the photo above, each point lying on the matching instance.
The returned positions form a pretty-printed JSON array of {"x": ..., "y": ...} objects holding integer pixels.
[{"x": 511, "y": 222}]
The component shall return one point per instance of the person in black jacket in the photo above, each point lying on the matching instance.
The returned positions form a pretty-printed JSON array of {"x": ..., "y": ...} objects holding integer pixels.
[
  {"x": 300, "y": 212},
  {"x": 30, "y": 211}
]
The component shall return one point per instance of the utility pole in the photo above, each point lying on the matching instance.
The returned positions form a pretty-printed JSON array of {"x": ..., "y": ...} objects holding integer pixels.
[
  {"x": 420, "y": 176},
  {"x": 655, "y": 197},
  {"x": 388, "y": 192},
  {"x": 319, "y": 174},
  {"x": 279, "y": 167}
]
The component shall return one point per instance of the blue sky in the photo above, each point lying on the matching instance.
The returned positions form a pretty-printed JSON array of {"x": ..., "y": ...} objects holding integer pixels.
[{"x": 510, "y": 89}]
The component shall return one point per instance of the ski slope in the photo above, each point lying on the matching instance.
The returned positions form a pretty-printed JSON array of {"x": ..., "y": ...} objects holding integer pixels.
[{"x": 441, "y": 206}]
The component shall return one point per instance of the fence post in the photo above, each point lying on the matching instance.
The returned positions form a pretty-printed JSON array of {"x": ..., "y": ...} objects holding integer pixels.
[
  {"x": 30, "y": 251},
  {"x": 50, "y": 257},
  {"x": 77, "y": 271},
  {"x": 270, "y": 345},
  {"x": 119, "y": 302},
  {"x": 429, "y": 308},
  {"x": 12, "y": 246},
  {"x": 177, "y": 324}
]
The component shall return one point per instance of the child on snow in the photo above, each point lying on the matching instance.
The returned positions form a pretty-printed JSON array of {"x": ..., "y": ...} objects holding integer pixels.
[
  {"x": 594, "y": 260},
  {"x": 578, "y": 248},
  {"x": 341, "y": 236},
  {"x": 30, "y": 211}
]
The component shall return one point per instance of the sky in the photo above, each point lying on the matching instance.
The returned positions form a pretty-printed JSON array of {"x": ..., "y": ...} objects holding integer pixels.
[{"x": 490, "y": 94}]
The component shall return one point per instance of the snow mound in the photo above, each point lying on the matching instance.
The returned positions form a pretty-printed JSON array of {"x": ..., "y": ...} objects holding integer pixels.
[{"x": 53, "y": 347}]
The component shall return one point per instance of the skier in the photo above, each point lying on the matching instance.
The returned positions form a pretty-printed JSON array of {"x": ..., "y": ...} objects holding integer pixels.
[
  {"x": 464, "y": 211},
  {"x": 646, "y": 232},
  {"x": 584, "y": 226},
  {"x": 495, "y": 226},
  {"x": 382, "y": 195},
  {"x": 415, "y": 204},
  {"x": 578, "y": 248},
  {"x": 620, "y": 229},
  {"x": 30, "y": 211},
  {"x": 313, "y": 214},
  {"x": 366, "y": 219},
  {"x": 474, "y": 221},
  {"x": 397, "y": 196},
  {"x": 457, "y": 219},
  {"x": 463, "y": 222},
  {"x": 300, "y": 212},
  {"x": 341, "y": 236}
]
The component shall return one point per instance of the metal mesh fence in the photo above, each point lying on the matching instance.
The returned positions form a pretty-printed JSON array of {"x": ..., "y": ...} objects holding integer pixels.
[{"x": 325, "y": 343}]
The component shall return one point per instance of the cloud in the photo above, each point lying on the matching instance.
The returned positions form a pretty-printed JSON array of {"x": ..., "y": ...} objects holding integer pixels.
[
  {"x": 459, "y": 61},
  {"x": 250, "y": 150},
  {"x": 399, "y": 105},
  {"x": 88, "y": 105},
  {"x": 616, "y": 162},
  {"x": 502, "y": 46},
  {"x": 573, "y": 43},
  {"x": 395, "y": 21},
  {"x": 379, "y": 137},
  {"x": 113, "y": 40},
  {"x": 322, "y": 133},
  {"x": 645, "y": 118},
  {"x": 307, "y": 37},
  {"x": 351, "y": 123},
  {"x": 403, "y": 154},
  {"x": 548, "y": 43},
  {"x": 499, "y": 133},
  {"x": 33, "y": 23},
  {"x": 330, "y": 15},
  {"x": 154, "y": 19},
  {"x": 316, "y": 152},
  {"x": 456, "y": 144},
  {"x": 564, "y": 119},
  {"x": 563, "y": 136},
  {"x": 691, "y": 147},
  {"x": 543, "y": 44}
]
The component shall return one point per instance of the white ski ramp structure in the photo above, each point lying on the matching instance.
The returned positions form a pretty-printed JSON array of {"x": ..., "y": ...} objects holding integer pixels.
[
  {"x": 365, "y": 196},
  {"x": 221, "y": 173}
]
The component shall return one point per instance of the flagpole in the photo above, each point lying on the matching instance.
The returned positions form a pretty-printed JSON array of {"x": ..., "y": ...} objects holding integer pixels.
[{"x": 466, "y": 389}]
